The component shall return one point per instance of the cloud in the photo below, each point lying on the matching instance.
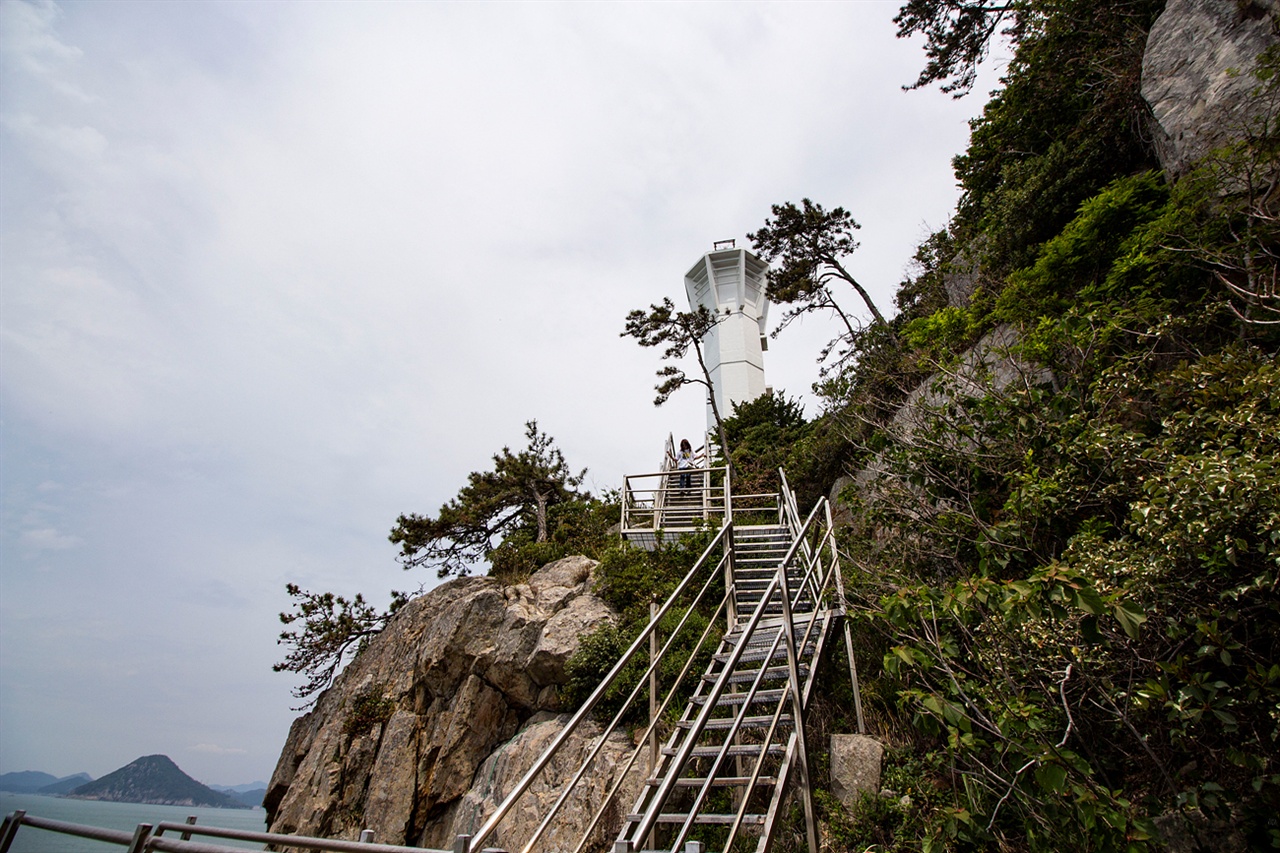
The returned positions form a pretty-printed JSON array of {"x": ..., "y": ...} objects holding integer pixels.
[
  {"x": 31, "y": 48},
  {"x": 214, "y": 749},
  {"x": 48, "y": 539}
]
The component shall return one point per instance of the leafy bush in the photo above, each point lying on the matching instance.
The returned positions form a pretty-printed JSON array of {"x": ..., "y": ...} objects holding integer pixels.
[
  {"x": 1082, "y": 256},
  {"x": 1064, "y": 125},
  {"x": 629, "y": 578}
]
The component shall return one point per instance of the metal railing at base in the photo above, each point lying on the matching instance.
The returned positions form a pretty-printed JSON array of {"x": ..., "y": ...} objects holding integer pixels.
[{"x": 147, "y": 837}]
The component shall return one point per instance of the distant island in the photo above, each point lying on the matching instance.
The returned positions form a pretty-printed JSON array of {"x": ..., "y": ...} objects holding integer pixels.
[
  {"x": 154, "y": 779},
  {"x": 35, "y": 782}
]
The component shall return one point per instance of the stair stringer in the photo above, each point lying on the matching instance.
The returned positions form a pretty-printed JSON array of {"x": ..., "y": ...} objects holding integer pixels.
[
  {"x": 648, "y": 802},
  {"x": 793, "y": 741}
]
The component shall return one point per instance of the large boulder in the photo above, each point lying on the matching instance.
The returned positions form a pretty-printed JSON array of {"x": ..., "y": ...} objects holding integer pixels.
[
  {"x": 1196, "y": 74},
  {"x": 855, "y": 767},
  {"x": 395, "y": 744},
  {"x": 508, "y": 764}
]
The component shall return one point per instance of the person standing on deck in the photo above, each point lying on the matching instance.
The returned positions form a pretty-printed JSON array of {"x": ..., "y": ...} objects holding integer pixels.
[{"x": 684, "y": 462}]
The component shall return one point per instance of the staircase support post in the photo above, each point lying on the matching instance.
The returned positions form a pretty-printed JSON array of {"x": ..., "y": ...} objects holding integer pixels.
[
  {"x": 730, "y": 584},
  {"x": 844, "y": 614},
  {"x": 653, "y": 686},
  {"x": 797, "y": 703}
]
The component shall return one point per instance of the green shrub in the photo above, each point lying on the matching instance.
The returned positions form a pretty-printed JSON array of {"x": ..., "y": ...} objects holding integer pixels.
[{"x": 1082, "y": 256}]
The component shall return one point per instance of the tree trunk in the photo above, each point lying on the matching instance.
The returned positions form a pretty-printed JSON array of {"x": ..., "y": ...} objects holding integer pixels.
[
  {"x": 541, "y": 511},
  {"x": 866, "y": 297}
]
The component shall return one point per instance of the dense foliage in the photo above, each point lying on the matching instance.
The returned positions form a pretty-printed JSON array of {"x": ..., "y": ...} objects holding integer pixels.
[{"x": 1064, "y": 556}]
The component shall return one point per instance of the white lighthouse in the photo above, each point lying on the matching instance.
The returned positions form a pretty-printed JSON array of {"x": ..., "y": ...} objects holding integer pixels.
[{"x": 730, "y": 282}]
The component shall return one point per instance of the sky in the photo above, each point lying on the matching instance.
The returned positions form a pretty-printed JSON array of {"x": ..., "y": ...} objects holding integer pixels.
[{"x": 274, "y": 273}]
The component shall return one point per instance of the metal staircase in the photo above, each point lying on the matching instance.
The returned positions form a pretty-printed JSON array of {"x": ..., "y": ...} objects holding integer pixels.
[
  {"x": 738, "y": 730},
  {"x": 727, "y": 762}
]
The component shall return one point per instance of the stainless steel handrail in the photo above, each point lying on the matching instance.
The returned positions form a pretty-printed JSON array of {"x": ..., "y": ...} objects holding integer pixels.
[
  {"x": 487, "y": 829},
  {"x": 143, "y": 839},
  {"x": 700, "y": 722},
  {"x": 645, "y": 507},
  {"x": 19, "y": 818},
  {"x": 666, "y": 703},
  {"x": 794, "y": 746},
  {"x": 641, "y": 682}
]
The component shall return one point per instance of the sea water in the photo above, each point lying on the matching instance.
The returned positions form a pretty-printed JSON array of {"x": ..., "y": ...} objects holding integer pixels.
[{"x": 122, "y": 816}]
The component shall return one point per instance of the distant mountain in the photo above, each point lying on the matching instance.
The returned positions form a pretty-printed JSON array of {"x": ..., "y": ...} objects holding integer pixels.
[
  {"x": 241, "y": 789},
  {"x": 153, "y": 779},
  {"x": 36, "y": 782},
  {"x": 26, "y": 782},
  {"x": 66, "y": 784},
  {"x": 252, "y": 798}
]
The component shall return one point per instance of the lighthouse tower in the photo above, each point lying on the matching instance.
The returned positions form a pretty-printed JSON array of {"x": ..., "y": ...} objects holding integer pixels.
[{"x": 730, "y": 282}]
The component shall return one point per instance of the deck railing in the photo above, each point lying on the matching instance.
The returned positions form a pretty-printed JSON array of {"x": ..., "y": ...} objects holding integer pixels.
[
  {"x": 655, "y": 501},
  {"x": 148, "y": 837}
]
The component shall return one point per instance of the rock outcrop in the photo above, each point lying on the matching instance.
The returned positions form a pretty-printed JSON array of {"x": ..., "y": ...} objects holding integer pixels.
[
  {"x": 396, "y": 743},
  {"x": 855, "y": 767},
  {"x": 1196, "y": 74},
  {"x": 508, "y": 764},
  {"x": 991, "y": 366}
]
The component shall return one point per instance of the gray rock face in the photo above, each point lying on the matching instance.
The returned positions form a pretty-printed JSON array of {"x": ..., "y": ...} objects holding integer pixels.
[
  {"x": 855, "y": 767},
  {"x": 991, "y": 366},
  {"x": 1195, "y": 74},
  {"x": 457, "y": 672},
  {"x": 503, "y": 769}
]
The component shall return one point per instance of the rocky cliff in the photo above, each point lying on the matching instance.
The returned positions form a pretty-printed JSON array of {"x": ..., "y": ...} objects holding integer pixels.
[
  {"x": 436, "y": 719},
  {"x": 1195, "y": 74}
]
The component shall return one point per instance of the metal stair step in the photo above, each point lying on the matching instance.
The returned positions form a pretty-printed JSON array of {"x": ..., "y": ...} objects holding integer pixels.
[
  {"x": 717, "y": 782},
  {"x": 761, "y": 581},
  {"x": 724, "y": 819},
  {"x": 756, "y": 656},
  {"x": 761, "y": 722},
  {"x": 739, "y": 698},
  {"x": 746, "y": 676},
  {"x": 751, "y": 749}
]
